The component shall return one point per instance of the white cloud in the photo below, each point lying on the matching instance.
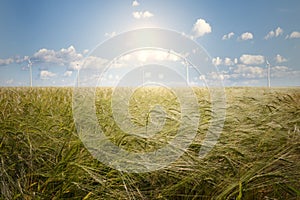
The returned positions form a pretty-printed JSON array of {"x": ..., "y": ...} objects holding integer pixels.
[
  {"x": 280, "y": 59},
  {"x": 217, "y": 61},
  {"x": 284, "y": 71},
  {"x": 280, "y": 68},
  {"x": 235, "y": 61},
  {"x": 11, "y": 60},
  {"x": 68, "y": 73},
  {"x": 278, "y": 31},
  {"x": 274, "y": 33},
  {"x": 90, "y": 62},
  {"x": 95, "y": 62},
  {"x": 44, "y": 74},
  {"x": 246, "y": 72},
  {"x": 62, "y": 57},
  {"x": 18, "y": 59},
  {"x": 148, "y": 55},
  {"x": 85, "y": 51},
  {"x": 246, "y": 36},
  {"x": 47, "y": 56},
  {"x": 110, "y": 35},
  {"x": 201, "y": 27},
  {"x": 9, "y": 81},
  {"x": 228, "y": 36},
  {"x": 141, "y": 14},
  {"x": 147, "y": 14},
  {"x": 243, "y": 71},
  {"x": 187, "y": 35},
  {"x": 252, "y": 59},
  {"x": 294, "y": 34},
  {"x": 135, "y": 3},
  {"x": 68, "y": 58},
  {"x": 6, "y": 61},
  {"x": 228, "y": 62},
  {"x": 211, "y": 76},
  {"x": 202, "y": 77},
  {"x": 75, "y": 65},
  {"x": 270, "y": 35},
  {"x": 141, "y": 57}
]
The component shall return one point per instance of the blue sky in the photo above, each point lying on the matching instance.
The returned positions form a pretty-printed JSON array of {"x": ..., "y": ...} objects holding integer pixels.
[{"x": 239, "y": 36}]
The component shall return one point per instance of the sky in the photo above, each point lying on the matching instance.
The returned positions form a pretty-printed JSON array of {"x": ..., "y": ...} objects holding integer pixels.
[{"x": 240, "y": 37}]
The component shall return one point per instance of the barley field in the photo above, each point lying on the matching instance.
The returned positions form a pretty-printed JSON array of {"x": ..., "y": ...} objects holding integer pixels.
[{"x": 256, "y": 157}]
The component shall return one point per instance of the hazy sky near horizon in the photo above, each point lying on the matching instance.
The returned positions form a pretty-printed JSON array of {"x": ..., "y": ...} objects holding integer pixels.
[{"x": 239, "y": 36}]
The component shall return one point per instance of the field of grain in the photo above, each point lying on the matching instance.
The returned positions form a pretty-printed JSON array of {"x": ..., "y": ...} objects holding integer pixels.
[{"x": 257, "y": 155}]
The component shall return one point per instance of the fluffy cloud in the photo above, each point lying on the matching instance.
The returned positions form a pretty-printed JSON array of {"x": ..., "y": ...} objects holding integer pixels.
[
  {"x": 270, "y": 35},
  {"x": 85, "y": 51},
  {"x": 46, "y": 56},
  {"x": 294, "y": 34},
  {"x": 280, "y": 59},
  {"x": 156, "y": 56},
  {"x": 6, "y": 61},
  {"x": 12, "y": 60},
  {"x": 252, "y": 59},
  {"x": 45, "y": 74},
  {"x": 243, "y": 71},
  {"x": 278, "y": 32},
  {"x": 226, "y": 61},
  {"x": 90, "y": 62},
  {"x": 93, "y": 62},
  {"x": 280, "y": 68},
  {"x": 142, "y": 56},
  {"x": 75, "y": 65},
  {"x": 18, "y": 59},
  {"x": 141, "y": 14},
  {"x": 201, "y": 27},
  {"x": 187, "y": 35},
  {"x": 228, "y": 36},
  {"x": 9, "y": 81},
  {"x": 135, "y": 3},
  {"x": 246, "y": 36},
  {"x": 284, "y": 71},
  {"x": 253, "y": 73},
  {"x": 235, "y": 61},
  {"x": 68, "y": 73},
  {"x": 110, "y": 35},
  {"x": 217, "y": 61},
  {"x": 68, "y": 58},
  {"x": 62, "y": 57},
  {"x": 274, "y": 33}
]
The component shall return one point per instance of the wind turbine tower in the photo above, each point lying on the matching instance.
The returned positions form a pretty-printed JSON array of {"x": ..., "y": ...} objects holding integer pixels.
[
  {"x": 269, "y": 73},
  {"x": 187, "y": 71},
  {"x": 77, "y": 66},
  {"x": 30, "y": 70}
]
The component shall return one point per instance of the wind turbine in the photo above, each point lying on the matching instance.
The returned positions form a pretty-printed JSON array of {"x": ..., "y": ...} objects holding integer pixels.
[
  {"x": 30, "y": 70},
  {"x": 269, "y": 73},
  {"x": 186, "y": 63},
  {"x": 143, "y": 74},
  {"x": 77, "y": 66},
  {"x": 187, "y": 71}
]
